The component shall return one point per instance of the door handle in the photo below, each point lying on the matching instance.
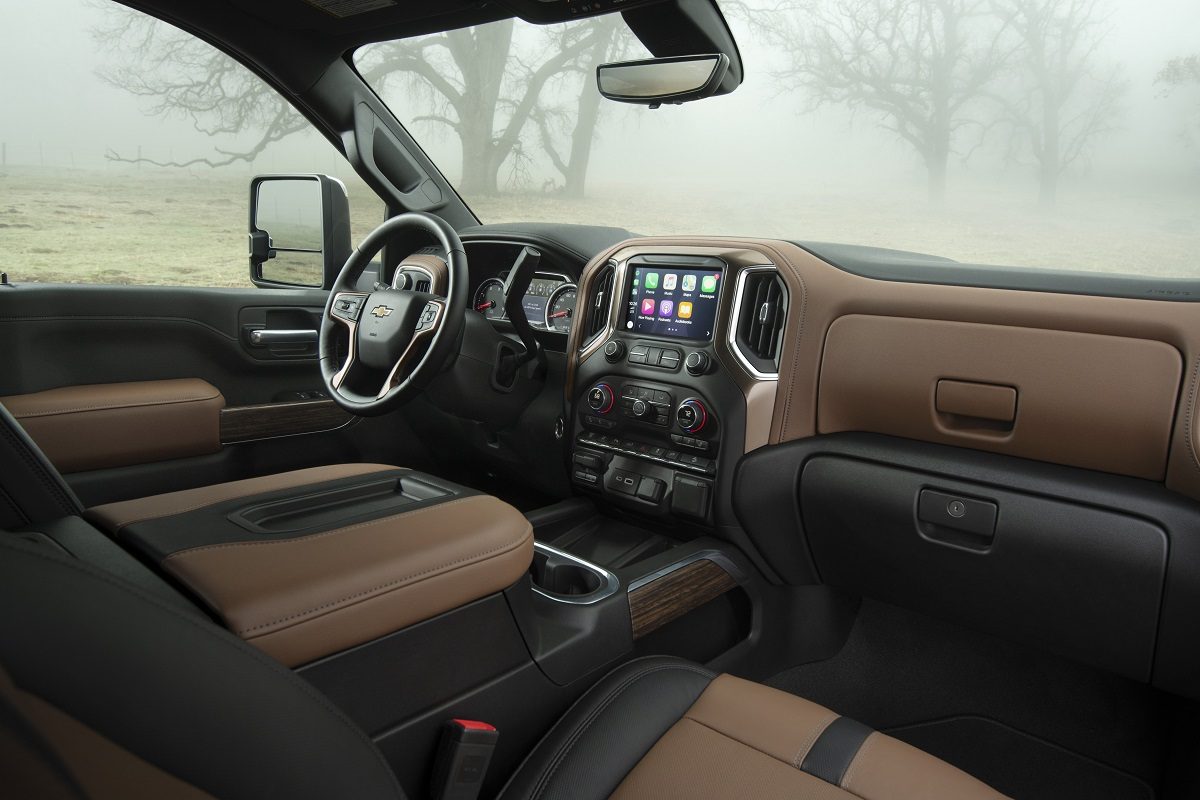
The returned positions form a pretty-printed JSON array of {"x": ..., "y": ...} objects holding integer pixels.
[{"x": 261, "y": 337}]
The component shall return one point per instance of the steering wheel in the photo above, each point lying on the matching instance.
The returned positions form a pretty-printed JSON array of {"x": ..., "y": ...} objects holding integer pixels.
[{"x": 399, "y": 338}]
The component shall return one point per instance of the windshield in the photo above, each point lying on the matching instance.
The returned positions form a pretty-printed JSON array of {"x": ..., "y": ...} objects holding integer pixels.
[{"x": 1040, "y": 133}]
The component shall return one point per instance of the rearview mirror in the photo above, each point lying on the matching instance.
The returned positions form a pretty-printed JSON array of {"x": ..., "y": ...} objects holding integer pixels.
[
  {"x": 654, "y": 81},
  {"x": 299, "y": 230}
]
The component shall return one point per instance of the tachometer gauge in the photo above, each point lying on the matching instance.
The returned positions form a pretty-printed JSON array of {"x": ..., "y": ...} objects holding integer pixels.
[
  {"x": 560, "y": 309},
  {"x": 489, "y": 299}
]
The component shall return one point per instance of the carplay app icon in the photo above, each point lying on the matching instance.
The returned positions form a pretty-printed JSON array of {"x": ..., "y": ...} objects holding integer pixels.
[
  {"x": 665, "y": 308},
  {"x": 648, "y": 307}
]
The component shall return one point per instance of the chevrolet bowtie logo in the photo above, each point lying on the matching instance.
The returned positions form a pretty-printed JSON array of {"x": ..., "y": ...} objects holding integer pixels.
[{"x": 380, "y": 311}]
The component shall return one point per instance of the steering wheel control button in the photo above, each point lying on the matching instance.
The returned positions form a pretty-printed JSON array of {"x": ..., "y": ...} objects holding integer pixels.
[
  {"x": 428, "y": 317},
  {"x": 600, "y": 398},
  {"x": 697, "y": 363},
  {"x": 613, "y": 351},
  {"x": 348, "y": 307},
  {"x": 691, "y": 415}
]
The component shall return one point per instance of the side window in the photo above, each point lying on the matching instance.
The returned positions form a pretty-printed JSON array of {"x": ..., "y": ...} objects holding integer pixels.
[{"x": 127, "y": 147}]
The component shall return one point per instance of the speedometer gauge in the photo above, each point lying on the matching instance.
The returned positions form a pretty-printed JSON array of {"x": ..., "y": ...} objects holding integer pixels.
[
  {"x": 560, "y": 309},
  {"x": 489, "y": 299}
]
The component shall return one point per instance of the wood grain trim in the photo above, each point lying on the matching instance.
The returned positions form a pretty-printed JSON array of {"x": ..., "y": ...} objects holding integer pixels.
[
  {"x": 269, "y": 420},
  {"x": 668, "y": 598}
]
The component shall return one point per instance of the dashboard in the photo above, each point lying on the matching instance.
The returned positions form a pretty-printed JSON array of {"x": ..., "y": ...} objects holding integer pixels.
[{"x": 549, "y": 303}]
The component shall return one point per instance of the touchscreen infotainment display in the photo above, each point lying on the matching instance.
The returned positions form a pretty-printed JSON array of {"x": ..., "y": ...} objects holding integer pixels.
[{"x": 675, "y": 301}]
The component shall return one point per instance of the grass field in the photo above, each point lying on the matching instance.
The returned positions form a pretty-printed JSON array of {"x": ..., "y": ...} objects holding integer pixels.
[{"x": 125, "y": 226}]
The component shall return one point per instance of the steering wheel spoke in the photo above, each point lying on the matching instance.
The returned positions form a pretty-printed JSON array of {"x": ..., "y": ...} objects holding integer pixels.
[
  {"x": 428, "y": 325},
  {"x": 346, "y": 309}
]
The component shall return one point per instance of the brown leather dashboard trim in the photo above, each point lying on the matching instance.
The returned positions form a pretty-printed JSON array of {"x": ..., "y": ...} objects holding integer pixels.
[
  {"x": 302, "y": 598},
  {"x": 117, "y": 424},
  {"x": 821, "y": 293},
  {"x": 1080, "y": 399}
]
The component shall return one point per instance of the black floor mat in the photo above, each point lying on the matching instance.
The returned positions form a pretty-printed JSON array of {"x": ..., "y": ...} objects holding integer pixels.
[{"x": 1032, "y": 725}]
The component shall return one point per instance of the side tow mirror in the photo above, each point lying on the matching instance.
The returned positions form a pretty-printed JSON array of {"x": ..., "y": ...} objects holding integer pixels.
[{"x": 299, "y": 230}]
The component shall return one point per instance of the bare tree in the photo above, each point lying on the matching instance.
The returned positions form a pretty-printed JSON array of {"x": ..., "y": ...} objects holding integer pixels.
[
  {"x": 1064, "y": 98},
  {"x": 185, "y": 77},
  {"x": 473, "y": 80},
  {"x": 1176, "y": 75},
  {"x": 920, "y": 65},
  {"x": 579, "y": 126}
]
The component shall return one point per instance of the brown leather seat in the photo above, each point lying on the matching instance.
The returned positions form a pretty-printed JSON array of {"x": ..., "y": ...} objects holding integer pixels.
[{"x": 663, "y": 727}]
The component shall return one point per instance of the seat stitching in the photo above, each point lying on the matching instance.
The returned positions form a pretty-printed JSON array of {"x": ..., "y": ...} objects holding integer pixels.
[
  {"x": 38, "y": 469},
  {"x": 208, "y": 630},
  {"x": 1189, "y": 412},
  {"x": 207, "y": 503},
  {"x": 858, "y": 759},
  {"x": 334, "y": 532},
  {"x": 795, "y": 764},
  {"x": 807, "y": 746},
  {"x": 445, "y": 568},
  {"x": 565, "y": 749}
]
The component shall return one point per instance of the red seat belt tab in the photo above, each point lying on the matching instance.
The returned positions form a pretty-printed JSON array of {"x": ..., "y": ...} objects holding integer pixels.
[{"x": 464, "y": 752}]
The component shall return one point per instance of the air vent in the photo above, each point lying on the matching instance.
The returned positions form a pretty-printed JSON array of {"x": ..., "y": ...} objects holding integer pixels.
[
  {"x": 761, "y": 314},
  {"x": 601, "y": 300}
]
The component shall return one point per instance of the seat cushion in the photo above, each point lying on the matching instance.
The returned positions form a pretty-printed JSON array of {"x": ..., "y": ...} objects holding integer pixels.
[
  {"x": 662, "y": 727},
  {"x": 310, "y": 563}
]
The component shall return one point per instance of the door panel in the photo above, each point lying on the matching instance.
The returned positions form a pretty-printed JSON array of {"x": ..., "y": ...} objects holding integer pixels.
[{"x": 275, "y": 415}]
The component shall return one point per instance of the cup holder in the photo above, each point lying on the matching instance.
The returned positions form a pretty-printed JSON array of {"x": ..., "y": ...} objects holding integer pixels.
[{"x": 563, "y": 577}]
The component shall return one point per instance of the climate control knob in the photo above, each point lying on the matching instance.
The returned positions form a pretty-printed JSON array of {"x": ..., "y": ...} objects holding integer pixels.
[
  {"x": 600, "y": 398},
  {"x": 691, "y": 415}
]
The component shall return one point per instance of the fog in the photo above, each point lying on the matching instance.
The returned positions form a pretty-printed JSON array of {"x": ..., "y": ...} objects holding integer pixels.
[{"x": 766, "y": 160}]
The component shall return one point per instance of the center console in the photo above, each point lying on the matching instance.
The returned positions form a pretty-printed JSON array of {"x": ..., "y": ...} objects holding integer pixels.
[{"x": 659, "y": 420}]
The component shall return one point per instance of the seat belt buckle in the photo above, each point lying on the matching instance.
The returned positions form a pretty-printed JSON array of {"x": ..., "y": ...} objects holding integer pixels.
[{"x": 463, "y": 755}]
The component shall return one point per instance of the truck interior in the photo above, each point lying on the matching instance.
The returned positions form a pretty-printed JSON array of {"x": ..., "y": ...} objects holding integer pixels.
[{"x": 545, "y": 510}]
